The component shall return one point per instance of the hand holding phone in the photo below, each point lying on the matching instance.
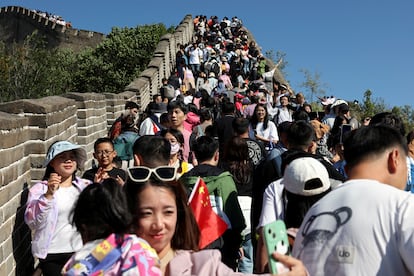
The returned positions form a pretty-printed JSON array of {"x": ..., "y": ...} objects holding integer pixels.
[
  {"x": 276, "y": 239},
  {"x": 345, "y": 129}
]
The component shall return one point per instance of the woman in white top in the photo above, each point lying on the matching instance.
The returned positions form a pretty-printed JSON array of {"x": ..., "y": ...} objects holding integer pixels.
[
  {"x": 265, "y": 130},
  {"x": 49, "y": 206}
]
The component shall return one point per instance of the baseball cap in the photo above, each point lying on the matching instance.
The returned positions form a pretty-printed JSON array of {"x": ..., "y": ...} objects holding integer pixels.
[
  {"x": 62, "y": 146},
  {"x": 338, "y": 102},
  {"x": 306, "y": 176}
]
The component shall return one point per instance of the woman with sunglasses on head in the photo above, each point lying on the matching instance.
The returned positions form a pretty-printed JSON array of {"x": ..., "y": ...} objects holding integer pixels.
[
  {"x": 49, "y": 204},
  {"x": 162, "y": 217},
  {"x": 102, "y": 218},
  {"x": 176, "y": 139}
]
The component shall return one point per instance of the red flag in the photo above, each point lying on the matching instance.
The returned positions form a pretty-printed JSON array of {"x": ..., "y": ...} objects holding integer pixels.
[{"x": 211, "y": 225}]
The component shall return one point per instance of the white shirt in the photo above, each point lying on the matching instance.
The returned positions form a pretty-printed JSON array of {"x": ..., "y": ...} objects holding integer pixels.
[
  {"x": 269, "y": 133},
  {"x": 195, "y": 56},
  {"x": 284, "y": 115},
  {"x": 272, "y": 206},
  {"x": 65, "y": 239},
  {"x": 147, "y": 126},
  {"x": 363, "y": 227}
]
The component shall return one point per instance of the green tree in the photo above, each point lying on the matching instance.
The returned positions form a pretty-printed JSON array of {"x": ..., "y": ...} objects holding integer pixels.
[
  {"x": 279, "y": 59},
  {"x": 313, "y": 84},
  {"x": 119, "y": 59},
  {"x": 31, "y": 70},
  {"x": 371, "y": 106}
]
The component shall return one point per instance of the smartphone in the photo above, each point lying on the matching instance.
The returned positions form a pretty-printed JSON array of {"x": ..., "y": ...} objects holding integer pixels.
[
  {"x": 276, "y": 239},
  {"x": 345, "y": 129}
]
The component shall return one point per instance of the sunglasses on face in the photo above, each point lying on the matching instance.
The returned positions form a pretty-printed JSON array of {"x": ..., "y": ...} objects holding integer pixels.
[{"x": 142, "y": 173}]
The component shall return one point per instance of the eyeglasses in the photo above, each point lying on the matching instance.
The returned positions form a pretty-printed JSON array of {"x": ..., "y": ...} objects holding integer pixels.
[
  {"x": 142, "y": 174},
  {"x": 104, "y": 152}
]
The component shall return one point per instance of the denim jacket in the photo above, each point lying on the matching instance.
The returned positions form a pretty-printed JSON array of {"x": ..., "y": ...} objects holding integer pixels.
[{"x": 41, "y": 215}]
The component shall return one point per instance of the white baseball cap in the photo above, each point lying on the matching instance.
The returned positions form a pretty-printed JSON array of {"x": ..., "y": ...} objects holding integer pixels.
[
  {"x": 306, "y": 176},
  {"x": 338, "y": 102}
]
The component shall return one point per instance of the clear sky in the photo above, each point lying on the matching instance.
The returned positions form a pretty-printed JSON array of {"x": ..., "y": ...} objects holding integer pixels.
[{"x": 353, "y": 45}]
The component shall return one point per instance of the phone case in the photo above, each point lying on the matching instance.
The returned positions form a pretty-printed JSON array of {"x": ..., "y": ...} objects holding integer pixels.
[{"x": 276, "y": 239}]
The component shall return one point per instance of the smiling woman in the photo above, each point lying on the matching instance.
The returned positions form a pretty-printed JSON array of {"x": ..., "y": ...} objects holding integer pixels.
[
  {"x": 49, "y": 204},
  {"x": 162, "y": 217}
]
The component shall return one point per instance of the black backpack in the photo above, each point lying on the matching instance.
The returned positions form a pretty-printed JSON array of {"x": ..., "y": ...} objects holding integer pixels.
[{"x": 215, "y": 67}]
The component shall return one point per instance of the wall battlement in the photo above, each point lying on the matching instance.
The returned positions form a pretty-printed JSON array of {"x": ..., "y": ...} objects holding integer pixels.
[{"x": 16, "y": 23}]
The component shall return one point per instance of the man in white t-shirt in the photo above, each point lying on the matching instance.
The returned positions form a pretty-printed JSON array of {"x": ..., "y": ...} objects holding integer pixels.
[{"x": 363, "y": 227}]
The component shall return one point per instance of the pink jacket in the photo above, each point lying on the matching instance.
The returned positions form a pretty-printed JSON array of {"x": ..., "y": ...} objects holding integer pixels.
[
  {"x": 204, "y": 262},
  {"x": 191, "y": 121},
  {"x": 41, "y": 215}
]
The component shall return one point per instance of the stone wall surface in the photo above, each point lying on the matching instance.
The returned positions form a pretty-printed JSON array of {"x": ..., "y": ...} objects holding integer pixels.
[
  {"x": 16, "y": 23},
  {"x": 29, "y": 126}
]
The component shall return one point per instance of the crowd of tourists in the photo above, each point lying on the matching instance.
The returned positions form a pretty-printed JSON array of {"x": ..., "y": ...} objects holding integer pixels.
[
  {"x": 54, "y": 18},
  {"x": 342, "y": 186}
]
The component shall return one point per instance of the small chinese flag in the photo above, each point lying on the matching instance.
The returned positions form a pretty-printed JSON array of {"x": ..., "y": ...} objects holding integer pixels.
[{"x": 211, "y": 225}]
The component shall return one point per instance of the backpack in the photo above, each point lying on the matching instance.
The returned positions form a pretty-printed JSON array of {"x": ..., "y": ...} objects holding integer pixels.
[
  {"x": 275, "y": 118},
  {"x": 169, "y": 91},
  {"x": 215, "y": 67},
  {"x": 115, "y": 129},
  {"x": 123, "y": 146}
]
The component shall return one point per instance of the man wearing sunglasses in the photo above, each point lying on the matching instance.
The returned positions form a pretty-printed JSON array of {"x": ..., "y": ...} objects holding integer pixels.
[{"x": 223, "y": 196}]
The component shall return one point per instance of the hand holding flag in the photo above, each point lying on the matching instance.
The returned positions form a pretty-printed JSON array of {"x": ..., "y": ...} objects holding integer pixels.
[{"x": 211, "y": 225}]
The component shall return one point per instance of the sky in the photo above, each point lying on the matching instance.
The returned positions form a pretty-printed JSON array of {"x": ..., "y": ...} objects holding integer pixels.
[{"x": 353, "y": 45}]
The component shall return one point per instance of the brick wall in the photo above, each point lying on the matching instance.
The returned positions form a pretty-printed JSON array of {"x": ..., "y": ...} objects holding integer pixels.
[
  {"x": 17, "y": 22},
  {"x": 28, "y": 127}
]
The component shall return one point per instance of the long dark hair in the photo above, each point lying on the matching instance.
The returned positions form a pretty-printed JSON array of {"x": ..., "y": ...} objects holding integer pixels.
[
  {"x": 187, "y": 233},
  {"x": 236, "y": 156},
  {"x": 297, "y": 206},
  {"x": 180, "y": 139},
  {"x": 254, "y": 120}
]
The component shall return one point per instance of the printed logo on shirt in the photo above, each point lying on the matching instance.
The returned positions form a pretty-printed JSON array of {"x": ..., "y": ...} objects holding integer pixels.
[
  {"x": 255, "y": 152},
  {"x": 102, "y": 250},
  {"x": 345, "y": 254}
]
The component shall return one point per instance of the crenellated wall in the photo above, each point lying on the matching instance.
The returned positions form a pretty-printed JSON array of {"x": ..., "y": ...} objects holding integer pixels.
[
  {"x": 28, "y": 127},
  {"x": 16, "y": 23},
  {"x": 162, "y": 63}
]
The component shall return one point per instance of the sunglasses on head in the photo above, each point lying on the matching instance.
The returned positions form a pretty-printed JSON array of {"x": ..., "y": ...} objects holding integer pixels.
[{"x": 142, "y": 173}]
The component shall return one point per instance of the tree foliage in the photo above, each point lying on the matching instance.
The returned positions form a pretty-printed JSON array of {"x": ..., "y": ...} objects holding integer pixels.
[
  {"x": 313, "y": 84},
  {"x": 31, "y": 70},
  {"x": 278, "y": 58},
  {"x": 118, "y": 59}
]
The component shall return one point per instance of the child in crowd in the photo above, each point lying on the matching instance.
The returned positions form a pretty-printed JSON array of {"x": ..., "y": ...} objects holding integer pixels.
[
  {"x": 105, "y": 153},
  {"x": 108, "y": 248}
]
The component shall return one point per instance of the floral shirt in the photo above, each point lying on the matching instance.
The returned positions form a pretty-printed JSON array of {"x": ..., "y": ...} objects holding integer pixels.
[{"x": 116, "y": 255}]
